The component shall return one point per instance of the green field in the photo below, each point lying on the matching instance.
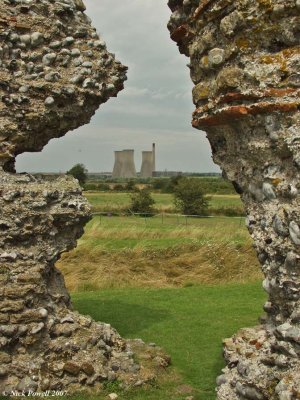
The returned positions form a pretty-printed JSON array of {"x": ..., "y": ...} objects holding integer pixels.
[
  {"x": 132, "y": 232},
  {"x": 189, "y": 323},
  {"x": 184, "y": 283},
  {"x": 118, "y": 202}
]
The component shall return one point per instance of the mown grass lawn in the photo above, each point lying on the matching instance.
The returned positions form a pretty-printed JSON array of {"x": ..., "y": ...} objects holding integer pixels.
[{"x": 189, "y": 323}]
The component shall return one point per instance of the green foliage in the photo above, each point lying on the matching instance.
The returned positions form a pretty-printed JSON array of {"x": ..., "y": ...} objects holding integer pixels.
[
  {"x": 159, "y": 183},
  {"x": 119, "y": 202},
  {"x": 189, "y": 198},
  {"x": 130, "y": 185},
  {"x": 90, "y": 186},
  {"x": 210, "y": 184},
  {"x": 103, "y": 187},
  {"x": 119, "y": 187},
  {"x": 174, "y": 180},
  {"x": 142, "y": 201},
  {"x": 172, "y": 183},
  {"x": 137, "y": 180},
  {"x": 79, "y": 172},
  {"x": 111, "y": 386},
  {"x": 166, "y": 185},
  {"x": 96, "y": 187},
  {"x": 216, "y": 185}
]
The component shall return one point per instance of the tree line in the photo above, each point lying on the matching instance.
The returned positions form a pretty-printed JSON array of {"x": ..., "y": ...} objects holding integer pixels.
[{"x": 189, "y": 198}]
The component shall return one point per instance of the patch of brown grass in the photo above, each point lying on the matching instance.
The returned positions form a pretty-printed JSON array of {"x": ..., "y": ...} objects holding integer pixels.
[{"x": 181, "y": 265}]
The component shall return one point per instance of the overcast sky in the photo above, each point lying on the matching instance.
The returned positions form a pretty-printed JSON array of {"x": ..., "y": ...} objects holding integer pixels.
[{"x": 156, "y": 105}]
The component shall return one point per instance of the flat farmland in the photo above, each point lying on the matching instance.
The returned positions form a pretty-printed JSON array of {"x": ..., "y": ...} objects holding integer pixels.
[
  {"x": 184, "y": 283},
  {"x": 118, "y": 202}
]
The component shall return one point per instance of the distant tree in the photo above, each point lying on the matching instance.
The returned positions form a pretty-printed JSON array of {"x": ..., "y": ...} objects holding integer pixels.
[
  {"x": 79, "y": 172},
  {"x": 175, "y": 179},
  {"x": 130, "y": 185},
  {"x": 189, "y": 197},
  {"x": 160, "y": 184},
  {"x": 142, "y": 201},
  {"x": 90, "y": 186},
  {"x": 97, "y": 187},
  {"x": 103, "y": 187},
  {"x": 172, "y": 184},
  {"x": 118, "y": 187}
]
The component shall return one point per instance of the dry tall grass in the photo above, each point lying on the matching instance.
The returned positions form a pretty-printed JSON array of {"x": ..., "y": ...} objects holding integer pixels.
[{"x": 126, "y": 253}]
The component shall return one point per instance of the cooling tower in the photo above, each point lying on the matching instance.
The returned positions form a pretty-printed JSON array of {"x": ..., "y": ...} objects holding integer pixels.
[
  {"x": 118, "y": 165},
  {"x": 124, "y": 164},
  {"x": 147, "y": 164},
  {"x": 127, "y": 162}
]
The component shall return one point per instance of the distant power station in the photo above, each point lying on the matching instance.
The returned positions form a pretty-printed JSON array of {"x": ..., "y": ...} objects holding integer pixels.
[
  {"x": 124, "y": 164},
  {"x": 125, "y": 168},
  {"x": 148, "y": 163}
]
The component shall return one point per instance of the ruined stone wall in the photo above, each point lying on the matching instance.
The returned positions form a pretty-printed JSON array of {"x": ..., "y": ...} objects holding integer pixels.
[
  {"x": 245, "y": 64},
  {"x": 55, "y": 71}
]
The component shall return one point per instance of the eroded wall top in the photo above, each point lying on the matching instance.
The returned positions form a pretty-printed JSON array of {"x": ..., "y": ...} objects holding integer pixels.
[
  {"x": 241, "y": 52},
  {"x": 55, "y": 71}
]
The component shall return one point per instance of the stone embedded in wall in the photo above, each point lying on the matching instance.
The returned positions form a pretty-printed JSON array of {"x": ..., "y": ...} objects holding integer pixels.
[
  {"x": 55, "y": 71},
  {"x": 245, "y": 64}
]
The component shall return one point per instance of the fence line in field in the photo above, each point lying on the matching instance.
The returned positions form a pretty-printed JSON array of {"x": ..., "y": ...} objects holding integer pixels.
[{"x": 162, "y": 216}]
